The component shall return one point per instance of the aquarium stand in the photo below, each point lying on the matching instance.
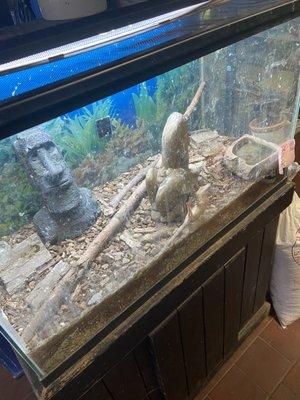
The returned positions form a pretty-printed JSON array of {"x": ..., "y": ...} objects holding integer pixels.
[{"x": 175, "y": 341}]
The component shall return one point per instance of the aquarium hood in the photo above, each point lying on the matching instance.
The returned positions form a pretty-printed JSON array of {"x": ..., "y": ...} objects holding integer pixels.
[
  {"x": 97, "y": 41},
  {"x": 25, "y": 39}
]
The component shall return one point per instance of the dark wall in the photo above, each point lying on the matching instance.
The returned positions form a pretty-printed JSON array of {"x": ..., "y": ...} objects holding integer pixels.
[{"x": 5, "y": 17}]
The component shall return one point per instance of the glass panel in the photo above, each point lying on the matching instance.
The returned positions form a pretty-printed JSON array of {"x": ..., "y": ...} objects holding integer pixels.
[
  {"x": 99, "y": 205},
  {"x": 42, "y": 69}
]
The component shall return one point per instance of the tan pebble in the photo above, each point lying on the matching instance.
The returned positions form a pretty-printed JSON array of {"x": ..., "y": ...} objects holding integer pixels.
[{"x": 32, "y": 285}]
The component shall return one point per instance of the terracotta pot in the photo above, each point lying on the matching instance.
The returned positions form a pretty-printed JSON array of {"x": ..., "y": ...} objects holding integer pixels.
[{"x": 275, "y": 133}]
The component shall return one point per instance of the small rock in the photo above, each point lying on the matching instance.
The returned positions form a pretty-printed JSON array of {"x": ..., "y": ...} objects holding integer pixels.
[
  {"x": 94, "y": 299},
  {"x": 117, "y": 256},
  {"x": 104, "y": 281},
  {"x": 32, "y": 285},
  {"x": 82, "y": 306}
]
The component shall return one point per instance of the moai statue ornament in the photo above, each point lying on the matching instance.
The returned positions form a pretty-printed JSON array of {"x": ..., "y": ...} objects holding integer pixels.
[
  {"x": 170, "y": 186},
  {"x": 68, "y": 210}
]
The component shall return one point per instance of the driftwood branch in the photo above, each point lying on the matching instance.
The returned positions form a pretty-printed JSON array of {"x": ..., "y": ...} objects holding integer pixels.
[
  {"x": 194, "y": 102},
  {"x": 160, "y": 234},
  {"x": 40, "y": 294},
  {"x": 58, "y": 297},
  {"x": 132, "y": 183},
  {"x": 114, "y": 225}
]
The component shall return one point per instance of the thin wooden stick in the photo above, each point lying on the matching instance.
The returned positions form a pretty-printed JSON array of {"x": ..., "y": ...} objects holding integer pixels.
[
  {"x": 133, "y": 182},
  {"x": 50, "y": 306},
  {"x": 194, "y": 102},
  {"x": 114, "y": 225}
]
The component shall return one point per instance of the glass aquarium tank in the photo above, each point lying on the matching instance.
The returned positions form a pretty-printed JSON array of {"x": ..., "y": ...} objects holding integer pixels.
[{"x": 100, "y": 204}]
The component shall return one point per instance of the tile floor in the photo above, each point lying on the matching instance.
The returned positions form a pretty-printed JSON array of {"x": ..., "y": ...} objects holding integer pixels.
[
  {"x": 14, "y": 389},
  {"x": 265, "y": 367}
]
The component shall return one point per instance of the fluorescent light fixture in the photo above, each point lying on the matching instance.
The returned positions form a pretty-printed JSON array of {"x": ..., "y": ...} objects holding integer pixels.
[{"x": 96, "y": 41}]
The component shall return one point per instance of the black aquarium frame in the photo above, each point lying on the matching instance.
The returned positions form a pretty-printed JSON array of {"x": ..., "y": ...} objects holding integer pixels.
[
  {"x": 25, "y": 39},
  {"x": 38, "y": 106},
  {"x": 41, "y": 105}
]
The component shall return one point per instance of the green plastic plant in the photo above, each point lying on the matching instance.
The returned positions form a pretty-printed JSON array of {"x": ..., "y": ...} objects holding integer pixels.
[
  {"x": 78, "y": 137},
  {"x": 19, "y": 201},
  {"x": 174, "y": 92},
  {"x": 126, "y": 148},
  {"x": 6, "y": 151}
]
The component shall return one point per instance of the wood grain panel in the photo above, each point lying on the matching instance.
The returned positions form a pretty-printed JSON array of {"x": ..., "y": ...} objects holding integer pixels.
[
  {"x": 234, "y": 273},
  {"x": 192, "y": 332},
  {"x": 97, "y": 392},
  {"x": 167, "y": 348},
  {"x": 250, "y": 278},
  {"x": 146, "y": 365},
  {"x": 125, "y": 382},
  {"x": 266, "y": 263},
  {"x": 213, "y": 305}
]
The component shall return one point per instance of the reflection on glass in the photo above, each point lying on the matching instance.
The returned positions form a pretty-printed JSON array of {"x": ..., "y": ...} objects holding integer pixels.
[{"x": 92, "y": 200}]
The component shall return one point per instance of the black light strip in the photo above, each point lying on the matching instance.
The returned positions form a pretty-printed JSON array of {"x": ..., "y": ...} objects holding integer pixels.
[
  {"x": 57, "y": 99},
  {"x": 24, "y": 40}
]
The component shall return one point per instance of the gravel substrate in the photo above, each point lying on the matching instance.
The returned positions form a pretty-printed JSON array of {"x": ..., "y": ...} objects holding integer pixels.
[{"x": 126, "y": 254}]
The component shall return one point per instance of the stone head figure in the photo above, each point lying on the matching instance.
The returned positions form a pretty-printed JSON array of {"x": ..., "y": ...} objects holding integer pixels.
[
  {"x": 68, "y": 210},
  {"x": 47, "y": 169}
]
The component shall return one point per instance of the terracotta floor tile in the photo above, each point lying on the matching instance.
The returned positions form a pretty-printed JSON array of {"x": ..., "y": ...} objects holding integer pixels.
[
  {"x": 251, "y": 338},
  {"x": 284, "y": 340},
  {"x": 264, "y": 365},
  {"x": 236, "y": 386},
  {"x": 292, "y": 380},
  {"x": 233, "y": 359},
  {"x": 295, "y": 328},
  {"x": 13, "y": 389},
  {"x": 283, "y": 393},
  {"x": 31, "y": 396}
]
